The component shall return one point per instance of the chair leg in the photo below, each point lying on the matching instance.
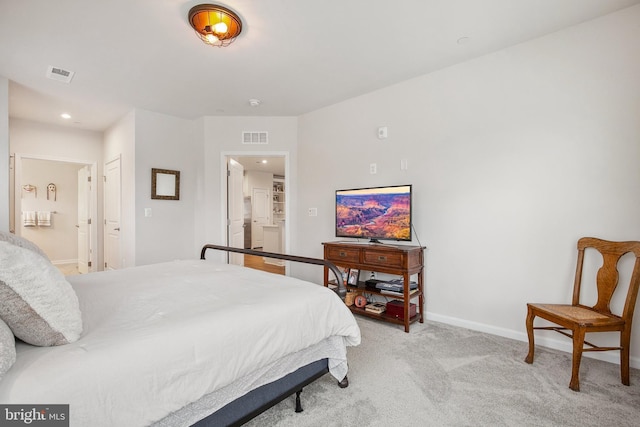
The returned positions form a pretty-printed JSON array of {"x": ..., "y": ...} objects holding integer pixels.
[
  {"x": 625, "y": 339},
  {"x": 578, "y": 345},
  {"x": 529, "y": 323}
]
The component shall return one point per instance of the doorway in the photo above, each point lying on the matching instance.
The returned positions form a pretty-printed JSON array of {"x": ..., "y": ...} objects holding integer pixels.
[
  {"x": 49, "y": 200},
  {"x": 260, "y": 169}
]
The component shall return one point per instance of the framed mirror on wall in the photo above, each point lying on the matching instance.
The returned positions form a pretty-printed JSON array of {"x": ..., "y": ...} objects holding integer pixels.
[{"x": 165, "y": 184}]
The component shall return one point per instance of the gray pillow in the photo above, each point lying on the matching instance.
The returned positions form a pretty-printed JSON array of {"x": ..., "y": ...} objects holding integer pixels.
[
  {"x": 36, "y": 301},
  {"x": 7, "y": 349},
  {"x": 22, "y": 242}
]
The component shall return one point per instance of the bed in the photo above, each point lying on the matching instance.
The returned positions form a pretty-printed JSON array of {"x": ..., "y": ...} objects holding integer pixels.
[{"x": 190, "y": 342}]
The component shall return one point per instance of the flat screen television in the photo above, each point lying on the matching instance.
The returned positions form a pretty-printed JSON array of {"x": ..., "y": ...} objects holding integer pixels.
[{"x": 377, "y": 213}]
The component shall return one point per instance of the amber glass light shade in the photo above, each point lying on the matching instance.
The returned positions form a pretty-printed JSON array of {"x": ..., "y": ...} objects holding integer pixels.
[{"x": 215, "y": 25}]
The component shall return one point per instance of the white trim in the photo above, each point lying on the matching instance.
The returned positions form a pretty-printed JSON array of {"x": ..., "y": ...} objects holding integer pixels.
[
  {"x": 562, "y": 345},
  {"x": 64, "y": 261}
]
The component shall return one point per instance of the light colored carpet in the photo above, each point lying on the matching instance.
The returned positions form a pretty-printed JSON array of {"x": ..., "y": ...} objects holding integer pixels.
[{"x": 441, "y": 375}]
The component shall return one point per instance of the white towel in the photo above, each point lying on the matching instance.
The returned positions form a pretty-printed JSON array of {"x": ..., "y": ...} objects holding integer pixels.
[
  {"x": 29, "y": 218},
  {"x": 44, "y": 218}
]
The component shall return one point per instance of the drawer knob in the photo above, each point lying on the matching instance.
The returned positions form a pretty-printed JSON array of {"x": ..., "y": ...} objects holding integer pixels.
[
  {"x": 382, "y": 258},
  {"x": 343, "y": 254}
]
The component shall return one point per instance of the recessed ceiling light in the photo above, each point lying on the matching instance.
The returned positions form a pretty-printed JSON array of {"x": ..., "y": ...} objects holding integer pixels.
[
  {"x": 463, "y": 40},
  {"x": 254, "y": 102},
  {"x": 65, "y": 116},
  {"x": 264, "y": 162}
]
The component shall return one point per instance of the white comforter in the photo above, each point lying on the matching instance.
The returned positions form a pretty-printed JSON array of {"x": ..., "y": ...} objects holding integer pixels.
[{"x": 161, "y": 336}]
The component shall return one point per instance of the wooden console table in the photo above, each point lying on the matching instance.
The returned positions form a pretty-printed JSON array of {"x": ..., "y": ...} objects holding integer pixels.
[{"x": 398, "y": 260}]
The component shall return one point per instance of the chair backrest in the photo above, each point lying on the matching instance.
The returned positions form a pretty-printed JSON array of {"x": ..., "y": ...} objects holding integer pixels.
[{"x": 607, "y": 277}]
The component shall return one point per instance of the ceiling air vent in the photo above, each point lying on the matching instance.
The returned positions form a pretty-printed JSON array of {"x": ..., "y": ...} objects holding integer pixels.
[
  {"x": 255, "y": 137},
  {"x": 59, "y": 74}
]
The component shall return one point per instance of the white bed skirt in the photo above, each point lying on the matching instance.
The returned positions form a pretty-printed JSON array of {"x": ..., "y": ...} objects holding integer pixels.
[{"x": 332, "y": 348}]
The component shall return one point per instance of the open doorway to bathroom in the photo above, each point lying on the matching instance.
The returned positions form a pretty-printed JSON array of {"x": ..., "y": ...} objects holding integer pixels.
[{"x": 55, "y": 206}]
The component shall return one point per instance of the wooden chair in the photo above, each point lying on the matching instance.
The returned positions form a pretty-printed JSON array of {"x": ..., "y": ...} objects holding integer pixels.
[{"x": 580, "y": 319}]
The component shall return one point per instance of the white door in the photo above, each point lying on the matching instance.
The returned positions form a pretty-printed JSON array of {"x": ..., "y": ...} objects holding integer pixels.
[
  {"x": 235, "y": 206},
  {"x": 260, "y": 215},
  {"x": 84, "y": 213},
  {"x": 112, "y": 215}
]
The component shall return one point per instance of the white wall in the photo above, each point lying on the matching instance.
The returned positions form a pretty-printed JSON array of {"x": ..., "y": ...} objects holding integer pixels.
[
  {"x": 223, "y": 136},
  {"x": 165, "y": 142},
  {"x": 4, "y": 153},
  {"x": 41, "y": 139},
  {"x": 512, "y": 157},
  {"x": 257, "y": 179}
]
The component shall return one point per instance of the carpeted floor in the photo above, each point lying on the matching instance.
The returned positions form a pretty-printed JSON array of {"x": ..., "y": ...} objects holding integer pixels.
[{"x": 441, "y": 375}]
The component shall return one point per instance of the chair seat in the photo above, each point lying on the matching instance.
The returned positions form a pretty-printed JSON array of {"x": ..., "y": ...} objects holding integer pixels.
[{"x": 578, "y": 314}]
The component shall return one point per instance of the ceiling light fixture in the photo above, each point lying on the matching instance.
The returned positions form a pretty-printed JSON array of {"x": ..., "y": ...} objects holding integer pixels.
[
  {"x": 65, "y": 116},
  {"x": 255, "y": 102},
  {"x": 215, "y": 25}
]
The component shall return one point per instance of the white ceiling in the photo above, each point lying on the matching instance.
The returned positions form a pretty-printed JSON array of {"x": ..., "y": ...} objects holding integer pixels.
[
  {"x": 295, "y": 56},
  {"x": 274, "y": 164}
]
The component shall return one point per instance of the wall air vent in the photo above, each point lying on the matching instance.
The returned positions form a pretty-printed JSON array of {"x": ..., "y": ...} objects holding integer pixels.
[
  {"x": 255, "y": 137},
  {"x": 59, "y": 74}
]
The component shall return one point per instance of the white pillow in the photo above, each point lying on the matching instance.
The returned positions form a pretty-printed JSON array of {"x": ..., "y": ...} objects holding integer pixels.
[
  {"x": 36, "y": 301},
  {"x": 22, "y": 242},
  {"x": 7, "y": 348}
]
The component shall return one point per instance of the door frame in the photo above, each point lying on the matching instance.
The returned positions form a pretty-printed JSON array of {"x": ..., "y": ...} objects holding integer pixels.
[
  {"x": 93, "y": 196},
  {"x": 224, "y": 155}
]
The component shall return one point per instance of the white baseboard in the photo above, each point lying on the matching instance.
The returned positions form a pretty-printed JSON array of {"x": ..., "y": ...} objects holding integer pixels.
[
  {"x": 64, "y": 261},
  {"x": 565, "y": 345}
]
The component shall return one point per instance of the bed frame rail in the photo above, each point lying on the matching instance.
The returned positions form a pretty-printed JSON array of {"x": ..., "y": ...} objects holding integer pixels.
[{"x": 342, "y": 290}]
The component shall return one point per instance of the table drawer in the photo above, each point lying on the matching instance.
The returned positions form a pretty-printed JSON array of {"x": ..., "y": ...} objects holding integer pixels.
[
  {"x": 343, "y": 254},
  {"x": 383, "y": 259}
]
